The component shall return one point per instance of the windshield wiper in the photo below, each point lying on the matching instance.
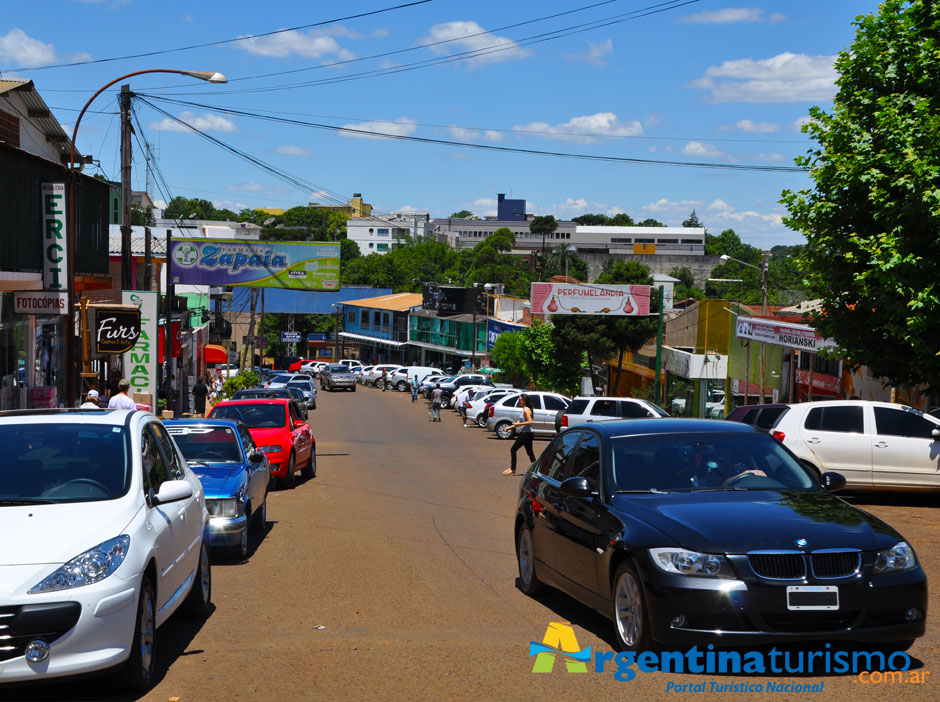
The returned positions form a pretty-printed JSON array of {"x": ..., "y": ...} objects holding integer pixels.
[{"x": 21, "y": 502}]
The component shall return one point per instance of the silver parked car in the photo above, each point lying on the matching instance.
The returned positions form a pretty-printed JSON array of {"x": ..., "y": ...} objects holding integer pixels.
[
  {"x": 584, "y": 410},
  {"x": 544, "y": 405},
  {"x": 307, "y": 387},
  {"x": 336, "y": 376}
]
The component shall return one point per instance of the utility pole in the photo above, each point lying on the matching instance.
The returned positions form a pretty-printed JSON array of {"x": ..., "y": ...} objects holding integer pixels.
[
  {"x": 659, "y": 346},
  {"x": 148, "y": 256},
  {"x": 763, "y": 313},
  {"x": 252, "y": 302},
  {"x": 168, "y": 327},
  {"x": 126, "y": 188}
]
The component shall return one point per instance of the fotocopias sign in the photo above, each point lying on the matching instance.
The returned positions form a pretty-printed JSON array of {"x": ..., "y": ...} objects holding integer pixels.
[
  {"x": 572, "y": 298},
  {"x": 299, "y": 265}
]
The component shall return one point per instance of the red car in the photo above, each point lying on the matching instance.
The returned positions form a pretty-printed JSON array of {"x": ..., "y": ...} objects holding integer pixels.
[
  {"x": 295, "y": 366},
  {"x": 278, "y": 431}
]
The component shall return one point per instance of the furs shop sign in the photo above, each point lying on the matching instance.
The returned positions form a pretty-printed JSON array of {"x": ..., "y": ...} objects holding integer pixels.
[{"x": 116, "y": 328}]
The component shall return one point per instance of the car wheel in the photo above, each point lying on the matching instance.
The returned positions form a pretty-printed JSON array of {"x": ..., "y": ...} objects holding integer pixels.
[
  {"x": 631, "y": 623},
  {"x": 287, "y": 482},
  {"x": 240, "y": 550},
  {"x": 314, "y": 406},
  {"x": 261, "y": 516},
  {"x": 199, "y": 600},
  {"x": 481, "y": 420},
  {"x": 503, "y": 431},
  {"x": 136, "y": 674},
  {"x": 309, "y": 470},
  {"x": 402, "y": 386},
  {"x": 531, "y": 585}
]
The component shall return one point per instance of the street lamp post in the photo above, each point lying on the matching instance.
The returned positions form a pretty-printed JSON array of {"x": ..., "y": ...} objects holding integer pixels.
[
  {"x": 763, "y": 310},
  {"x": 70, "y": 224}
]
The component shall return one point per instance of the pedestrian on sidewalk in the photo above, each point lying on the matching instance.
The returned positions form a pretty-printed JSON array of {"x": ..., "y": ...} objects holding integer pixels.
[
  {"x": 91, "y": 400},
  {"x": 384, "y": 379},
  {"x": 200, "y": 393},
  {"x": 121, "y": 400},
  {"x": 523, "y": 437},
  {"x": 436, "y": 396},
  {"x": 414, "y": 388},
  {"x": 462, "y": 406}
]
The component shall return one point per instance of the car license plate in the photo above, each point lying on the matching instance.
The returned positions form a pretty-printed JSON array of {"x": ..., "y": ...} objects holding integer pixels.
[{"x": 808, "y": 597}]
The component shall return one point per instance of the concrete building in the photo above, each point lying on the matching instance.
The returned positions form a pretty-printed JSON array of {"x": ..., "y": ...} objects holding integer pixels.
[
  {"x": 354, "y": 208},
  {"x": 210, "y": 229},
  {"x": 382, "y": 234}
]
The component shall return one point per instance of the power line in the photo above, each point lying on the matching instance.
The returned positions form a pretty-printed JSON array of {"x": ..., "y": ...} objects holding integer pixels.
[
  {"x": 470, "y": 54},
  {"x": 230, "y": 41},
  {"x": 469, "y": 145}
]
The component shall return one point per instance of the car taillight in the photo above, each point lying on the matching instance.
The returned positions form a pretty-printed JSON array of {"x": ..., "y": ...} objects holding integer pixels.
[
  {"x": 492, "y": 411},
  {"x": 564, "y": 420},
  {"x": 778, "y": 435}
]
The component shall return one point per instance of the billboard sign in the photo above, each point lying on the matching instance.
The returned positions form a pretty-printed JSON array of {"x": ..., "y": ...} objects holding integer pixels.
[
  {"x": 140, "y": 363},
  {"x": 290, "y": 337},
  {"x": 116, "y": 328},
  {"x": 793, "y": 336},
  {"x": 447, "y": 299},
  {"x": 55, "y": 264},
  {"x": 494, "y": 329},
  {"x": 316, "y": 336},
  {"x": 573, "y": 298},
  {"x": 297, "y": 265}
]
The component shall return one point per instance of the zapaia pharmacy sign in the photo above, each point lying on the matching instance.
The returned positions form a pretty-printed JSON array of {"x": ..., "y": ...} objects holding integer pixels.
[{"x": 299, "y": 265}]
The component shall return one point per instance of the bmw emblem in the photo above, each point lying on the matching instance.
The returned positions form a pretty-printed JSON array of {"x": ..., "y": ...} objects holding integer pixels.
[{"x": 802, "y": 543}]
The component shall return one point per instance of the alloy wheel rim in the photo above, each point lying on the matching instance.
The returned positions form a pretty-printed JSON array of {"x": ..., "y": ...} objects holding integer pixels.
[
  {"x": 146, "y": 633},
  {"x": 525, "y": 557},
  {"x": 243, "y": 545},
  {"x": 629, "y": 609}
]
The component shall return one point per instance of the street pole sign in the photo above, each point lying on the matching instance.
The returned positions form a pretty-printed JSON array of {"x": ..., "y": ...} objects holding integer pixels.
[
  {"x": 54, "y": 252},
  {"x": 140, "y": 363},
  {"x": 290, "y": 337}
]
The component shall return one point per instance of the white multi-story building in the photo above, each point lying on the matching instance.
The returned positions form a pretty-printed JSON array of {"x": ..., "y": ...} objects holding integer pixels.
[{"x": 381, "y": 234}]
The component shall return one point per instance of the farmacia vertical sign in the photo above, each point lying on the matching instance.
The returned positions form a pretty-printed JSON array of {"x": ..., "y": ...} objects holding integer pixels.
[{"x": 140, "y": 363}]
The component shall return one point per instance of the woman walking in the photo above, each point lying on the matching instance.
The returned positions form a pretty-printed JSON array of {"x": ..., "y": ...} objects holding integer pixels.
[
  {"x": 200, "y": 393},
  {"x": 523, "y": 437}
]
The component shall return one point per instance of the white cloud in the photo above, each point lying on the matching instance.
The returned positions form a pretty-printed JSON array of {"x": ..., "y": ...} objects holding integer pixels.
[
  {"x": 461, "y": 156},
  {"x": 586, "y": 129},
  {"x": 338, "y": 30},
  {"x": 403, "y": 126},
  {"x": 664, "y": 205},
  {"x": 313, "y": 44},
  {"x": 700, "y": 150},
  {"x": 205, "y": 123},
  {"x": 729, "y": 15},
  {"x": 470, "y": 36},
  {"x": 786, "y": 77},
  {"x": 319, "y": 195},
  {"x": 249, "y": 187},
  {"x": 572, "y": 206},
  {"x": 596, "y": 53},
  {"x": 746, "y": 125},
  {"x": 614, "y": 211},
  {"x": 464, "y": 134},
  {"x": 187, "y": 18},
  {"x": 725, "y": 214},
  {"x": 293, "y": 151},
  {"x": 229, "y": 205},
  {"x": 484, "y": 202},
  {"x": 492, "y": 135},
  {"x": 386, "y": 64},
  {"x": 719, "y": 205},
  {"x": 17, "y": 47},
  {"x": 764, "y": 157}
]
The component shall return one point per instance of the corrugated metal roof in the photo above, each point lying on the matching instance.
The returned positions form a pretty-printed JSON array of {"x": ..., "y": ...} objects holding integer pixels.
[
  {"x": 41, "y": 115},
  {"x": 399, "y": 302},
  {"x": 280, "y": 300}
]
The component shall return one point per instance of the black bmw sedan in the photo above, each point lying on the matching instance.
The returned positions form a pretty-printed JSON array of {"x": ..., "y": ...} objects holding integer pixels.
[{"x": 700, "y": 531}]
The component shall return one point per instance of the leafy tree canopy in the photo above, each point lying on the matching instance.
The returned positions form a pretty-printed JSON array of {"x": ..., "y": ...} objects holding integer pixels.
[
  {"x": 463, "y": 214},
  {"x": 872, "y": 217},
  {"x": 692, "y": 221}
]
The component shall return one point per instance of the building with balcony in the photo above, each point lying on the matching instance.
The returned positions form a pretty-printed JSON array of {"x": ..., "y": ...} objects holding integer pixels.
[
  {"x": 379, "y": 325},
  {"x": 382, "y": 234}
]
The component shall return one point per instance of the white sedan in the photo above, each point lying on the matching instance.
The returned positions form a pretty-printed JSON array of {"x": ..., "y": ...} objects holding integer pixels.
[{"x": 108, "y": 522}]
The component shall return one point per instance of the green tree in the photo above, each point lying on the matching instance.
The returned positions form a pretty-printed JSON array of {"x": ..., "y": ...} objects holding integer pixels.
[
  {"x": 463, "y": 214},
  {"x": 872, "y": 217},
  {"x": 692, "y": 221},
  {"x": 142, "y": 216},
  {"x": 543, "y": 226},
  {"x": 562, "y": 259},
  {"x": 650, "y": 223},
  {"x": 509, "y": 356},
  {"x": 685, "y": 288}
]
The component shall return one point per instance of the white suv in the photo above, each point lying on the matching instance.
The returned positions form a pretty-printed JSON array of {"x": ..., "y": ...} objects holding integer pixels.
[
  {"x": 544, "y": 406},
  {"x": 584, "y": 410},
  {"x": 874, "y": 445},
  {"x": 103, "y": 523}
]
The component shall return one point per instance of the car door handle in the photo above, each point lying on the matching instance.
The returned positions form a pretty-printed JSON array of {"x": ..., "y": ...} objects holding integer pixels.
[
  {"x": 814, "y": 440},
  {"x": 881, "y": 444}
]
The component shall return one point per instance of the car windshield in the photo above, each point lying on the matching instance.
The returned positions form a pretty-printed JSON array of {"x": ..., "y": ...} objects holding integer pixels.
[
  {"x": 207, "y": 444},
  {"x": 283, "y": 378},
  {"x": 260, "y": 392},
  {"x": 707, "y": 461},
  {"x": 254, "y": 416},
  {"x": 302, "y": 383},
  {"x": 63, "y": 463},
  {"x": 338, "y": 368}
]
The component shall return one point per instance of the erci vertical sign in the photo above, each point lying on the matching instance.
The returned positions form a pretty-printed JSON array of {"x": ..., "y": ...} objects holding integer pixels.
[
  {"x": 140, "y": 363},
  {"x": 54, "y": 251}
]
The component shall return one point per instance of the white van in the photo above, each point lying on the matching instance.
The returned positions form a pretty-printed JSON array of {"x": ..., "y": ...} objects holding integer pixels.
[
  {"x": 352, "y": 364},
  {"x": 401, "y": 378}
]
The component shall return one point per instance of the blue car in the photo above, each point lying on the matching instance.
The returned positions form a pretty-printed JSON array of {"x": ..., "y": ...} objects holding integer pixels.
[{"x": 234, "y": 476}]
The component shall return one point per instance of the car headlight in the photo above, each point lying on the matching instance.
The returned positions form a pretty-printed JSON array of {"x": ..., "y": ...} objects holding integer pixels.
[
  {"x": 227, "y": 507},
  {"x": 86, "y": 568},
  {"x": 269, "y": 449},
  {"x": 898, "y": 557},
  {"x": 679, "y": 561}
]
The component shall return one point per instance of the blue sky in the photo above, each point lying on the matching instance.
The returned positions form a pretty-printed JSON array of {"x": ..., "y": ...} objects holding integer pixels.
[{"x": 711, "y": 81}]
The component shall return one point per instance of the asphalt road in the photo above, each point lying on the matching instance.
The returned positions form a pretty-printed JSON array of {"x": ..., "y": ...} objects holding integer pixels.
[{"x": 392, "y": 575}]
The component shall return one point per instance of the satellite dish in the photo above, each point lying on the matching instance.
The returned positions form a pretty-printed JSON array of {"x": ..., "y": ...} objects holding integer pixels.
[
  {"x": 280, "y": 226},
  {"x": 269, "y": 220}
]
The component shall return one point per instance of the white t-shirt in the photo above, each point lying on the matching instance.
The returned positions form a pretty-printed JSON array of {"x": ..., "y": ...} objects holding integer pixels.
[{"x": 121, "y": 401}]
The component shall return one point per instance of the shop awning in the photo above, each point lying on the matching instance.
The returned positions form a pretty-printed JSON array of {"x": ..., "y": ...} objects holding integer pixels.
[
  {"x": 216, "y": 354},
  {"x": 373, "y": 340}
]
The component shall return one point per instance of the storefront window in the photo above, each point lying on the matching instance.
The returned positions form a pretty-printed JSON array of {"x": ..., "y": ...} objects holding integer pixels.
[{"x": 12, "y": 356}]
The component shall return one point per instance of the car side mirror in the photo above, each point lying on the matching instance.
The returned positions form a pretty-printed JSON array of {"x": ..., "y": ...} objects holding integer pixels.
[
  {"x": 576, "y": 486},
  {"x": 935, "y": 433},
  {"x": 832, "y": 481},
  {"x": 256, "y": 457},
  {"x": 171, "y": 491}
]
